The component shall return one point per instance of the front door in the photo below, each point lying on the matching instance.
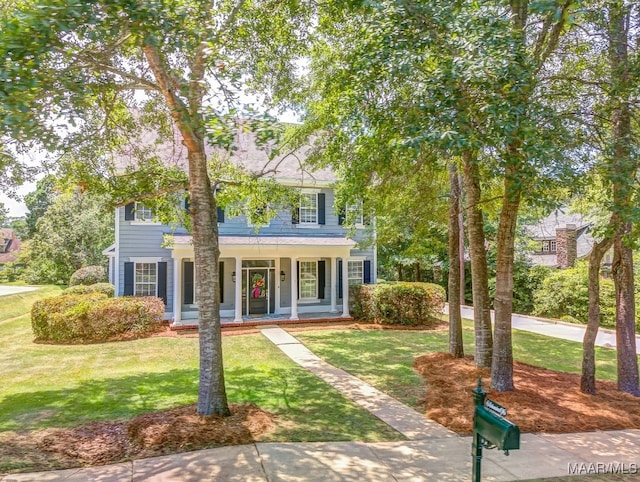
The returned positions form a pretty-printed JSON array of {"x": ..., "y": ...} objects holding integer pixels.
[{"x": 258, "y": 291}]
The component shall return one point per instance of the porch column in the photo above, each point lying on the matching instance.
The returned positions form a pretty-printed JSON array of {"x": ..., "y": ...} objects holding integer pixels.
[
  {"x": 177, "y": 290},
  {"x": 238, "y": 293},
  {"x": 278, "y": 287},
  {"x": 345, "y": 286},
  {"x": 294, "y": 289},
  {"x": 334, "y": 284}
]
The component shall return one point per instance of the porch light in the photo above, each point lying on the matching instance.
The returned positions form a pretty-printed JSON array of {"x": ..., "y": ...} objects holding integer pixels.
[
  {"x": 233, "y": 276},
  {"x": 282, "y": 276}
]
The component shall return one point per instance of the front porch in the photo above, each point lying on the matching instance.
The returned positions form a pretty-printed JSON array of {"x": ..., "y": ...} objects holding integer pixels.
[
  {"x": 272, "y": 319},
  {"x": 263, "y": 279}
]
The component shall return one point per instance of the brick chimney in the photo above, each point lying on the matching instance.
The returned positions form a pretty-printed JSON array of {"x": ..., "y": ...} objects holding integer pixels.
[{"x": 566, "y": 246}]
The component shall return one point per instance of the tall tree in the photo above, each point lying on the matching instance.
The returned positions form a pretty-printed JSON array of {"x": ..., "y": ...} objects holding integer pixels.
[
  {"x": 456, "y": 347},
  {"x": 117, "y": 70},
  {"x": 624, "y": 166},
  {"x": 522, "y": 151},
  {"x": 38, "y": 202},
  {"x": 71, "y": 234}
]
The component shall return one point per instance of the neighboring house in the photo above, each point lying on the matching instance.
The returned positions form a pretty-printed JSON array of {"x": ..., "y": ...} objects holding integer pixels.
[
  {"x": 9, "y": 246},
  {"x": 299, "y": 263},
  {"x": 562, "y": 239}
]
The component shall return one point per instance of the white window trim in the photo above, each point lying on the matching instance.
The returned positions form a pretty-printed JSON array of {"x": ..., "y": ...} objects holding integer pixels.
[
  {"x": 308, "y": 224},
  {"x": 135, "y": 280},
  {"x": 146, "y": 259},
  {"x": 361, "y": 261},
  {"x": 142, "y": 222},
  {"x": 359, "y": 208},
  {"x": 315, "y": 299}
]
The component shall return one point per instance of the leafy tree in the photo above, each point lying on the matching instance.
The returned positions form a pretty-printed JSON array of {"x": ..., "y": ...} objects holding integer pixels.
[
  {"x": 38, "y": 202},
  {"x": 98, "y": 75},
  {"x": 71, "y": 234},
  {"x": 4, "y": 214}
]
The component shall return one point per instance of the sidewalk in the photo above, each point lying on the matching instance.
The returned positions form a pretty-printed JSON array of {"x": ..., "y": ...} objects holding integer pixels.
[
  {"x": 553, "y": 328},
  {"x": 431, "y": 453}
]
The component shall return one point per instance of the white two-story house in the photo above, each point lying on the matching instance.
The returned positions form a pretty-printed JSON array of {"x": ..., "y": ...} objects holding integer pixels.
[{"x": 299, "y": 264}]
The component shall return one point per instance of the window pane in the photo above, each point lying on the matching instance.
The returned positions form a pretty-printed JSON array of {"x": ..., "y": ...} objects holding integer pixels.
[
  {"x": 309, "y": 209},
  {"x": 308, "y": 279},
  {"x": 146, "y": 277},
  {"x": 355, "y": 272},
  {"x": 143, "y": 213}
]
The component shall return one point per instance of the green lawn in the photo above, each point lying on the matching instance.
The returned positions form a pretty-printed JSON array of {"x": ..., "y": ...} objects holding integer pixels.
[
  {"x": 384, "y": 358},
  {"x": 66, "y": 385}
]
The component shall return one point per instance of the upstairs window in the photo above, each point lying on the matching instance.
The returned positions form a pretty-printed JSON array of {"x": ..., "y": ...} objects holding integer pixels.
[
  {"x": 355, "y": 213},
  {"x": 309, "y": 208},
  {"x": 142, "y": 213},
  {"x": 549, "y": 246}
]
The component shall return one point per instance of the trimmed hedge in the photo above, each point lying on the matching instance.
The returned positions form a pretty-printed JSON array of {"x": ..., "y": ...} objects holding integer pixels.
[
  {"x": 89, "y": 275},
  {"x": 104, "y": 288},
  {"x": 400, "y": 303},
  {"x": 94, "y": 317}
]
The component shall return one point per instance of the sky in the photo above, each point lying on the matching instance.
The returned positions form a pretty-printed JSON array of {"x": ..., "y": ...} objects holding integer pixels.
[{"x": 17, "y": 208}]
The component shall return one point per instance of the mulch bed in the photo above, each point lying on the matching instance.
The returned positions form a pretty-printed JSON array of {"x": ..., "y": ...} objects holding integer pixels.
[
  {"x": 544, "y": 400},
  {"x": 148, "y": 435}
]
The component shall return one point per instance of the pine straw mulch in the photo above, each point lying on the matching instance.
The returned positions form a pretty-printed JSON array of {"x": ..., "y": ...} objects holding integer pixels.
[
  {"x": 148, "y": 435},
  {"x": 544, "y": 400}
]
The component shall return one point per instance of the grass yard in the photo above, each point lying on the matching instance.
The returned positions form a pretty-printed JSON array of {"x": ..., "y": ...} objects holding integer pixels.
[
  {"x": 384, "y": 358},
  {"x": 53, "y": 386}
]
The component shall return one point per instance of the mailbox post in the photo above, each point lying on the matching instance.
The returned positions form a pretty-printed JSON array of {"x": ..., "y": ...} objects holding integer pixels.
[{"x": 490, "y": 429}]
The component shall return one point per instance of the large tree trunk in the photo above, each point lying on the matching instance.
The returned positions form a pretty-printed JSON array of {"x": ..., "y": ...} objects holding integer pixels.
[
  {"x": 456, "y": 347},
  {"x": 461, "y": 239},
  {"x": 212, "y": 398},
  {"x": 588, "y": 378},
  {"x": 623, "y": 174},
  {"x": 502, "y": 362},
  {"x": 622, "y": 271},
  {"x": 479, "y": 272}
]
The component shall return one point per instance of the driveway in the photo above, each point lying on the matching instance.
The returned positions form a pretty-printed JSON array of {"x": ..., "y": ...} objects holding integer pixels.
[{"x": 12, "y": 290}]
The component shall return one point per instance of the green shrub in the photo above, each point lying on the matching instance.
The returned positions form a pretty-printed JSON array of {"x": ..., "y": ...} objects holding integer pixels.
[
  {"x": 566, "y": 293},
  {"x": 88, "y": 275},
  {"x": 60, "y": 318},
  {"x": 104, "y": 288},
  {"x": 400, "y": 303},
  {"x": 94, "y": 317}
]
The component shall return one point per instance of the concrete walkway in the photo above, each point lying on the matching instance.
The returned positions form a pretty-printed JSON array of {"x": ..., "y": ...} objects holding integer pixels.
[
  {"x": 12, "y": 290},
  {"x": 431, "y": 453},
  {"x": 555, "y": 328}
]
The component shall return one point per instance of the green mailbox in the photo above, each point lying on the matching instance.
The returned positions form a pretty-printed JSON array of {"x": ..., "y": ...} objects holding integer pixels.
[
  {"x": 496, "y": 430},
  {"x": 490, "y": 429}
]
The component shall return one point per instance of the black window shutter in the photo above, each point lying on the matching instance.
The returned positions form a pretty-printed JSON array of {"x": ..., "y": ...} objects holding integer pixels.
[
  {"x": 187, "y": 282},
  {"x": 128, "y": 279},
  {"x": 295, "y": 215},
  {"x": 129, "y": 215},
  {"x": 162, "y": 281},
  {"x": 220, "y": 212},
  {"x": 221, "y": 280},
  {"x": 321, "y": 208},
  {"x": 321, "y": 278},
  {"x": 298, "y": 276},
  {"x": 339, "y": 278},
  {"x": 341, "y": 216},
  {"x": 367, "y": 271},
  {"x": 187, "y": 204}
]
